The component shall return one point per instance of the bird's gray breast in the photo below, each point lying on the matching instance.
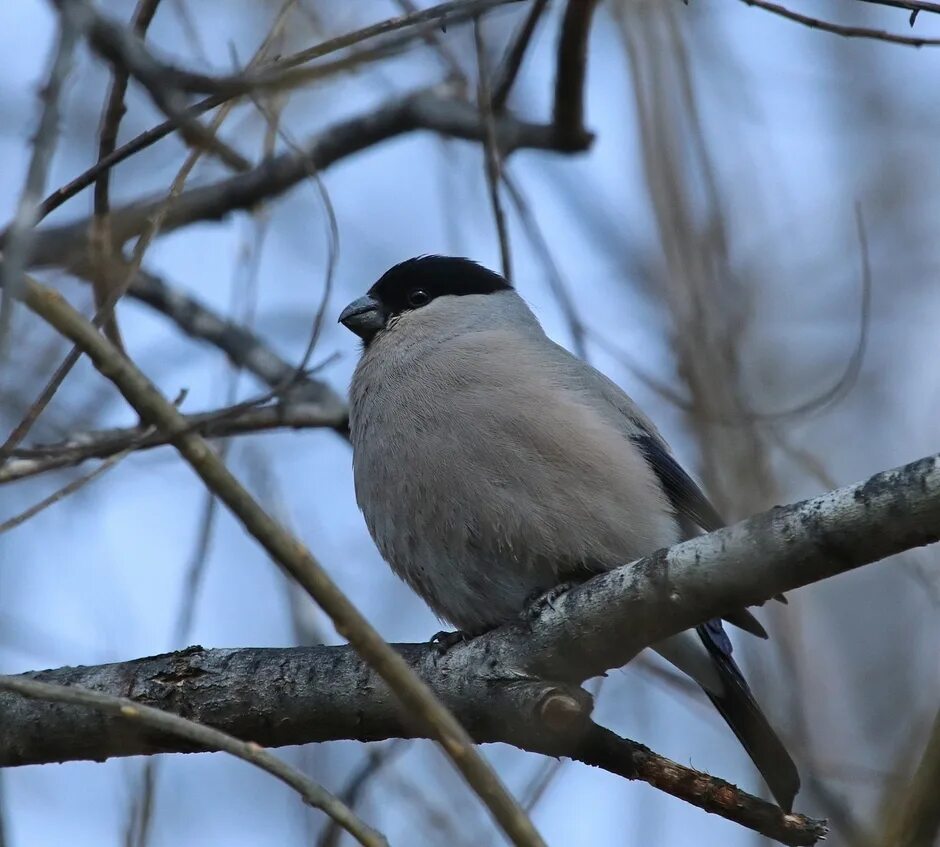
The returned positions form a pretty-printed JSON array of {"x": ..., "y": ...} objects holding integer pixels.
[
  {"x": 485, "y": 476},
  {"x": 428, "y": 494}
]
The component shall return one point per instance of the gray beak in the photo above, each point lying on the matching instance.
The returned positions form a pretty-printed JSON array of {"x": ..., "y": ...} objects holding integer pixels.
[{"x": 364, "y": 316}]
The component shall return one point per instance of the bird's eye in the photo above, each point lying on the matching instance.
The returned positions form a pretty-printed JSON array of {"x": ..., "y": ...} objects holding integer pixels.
[{"x": 418, "y": 297}]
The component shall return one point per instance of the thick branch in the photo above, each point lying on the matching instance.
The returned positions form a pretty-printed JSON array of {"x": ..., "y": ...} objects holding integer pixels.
[
  {"x": 278, "y": 697},
  {"x": 571, "y": 70},
  {"x": 617, "y": 614},
  {"x": 61, "y": 245},
  {"x": 516, "y": 683},
  {"x": 189, "y": 732}
]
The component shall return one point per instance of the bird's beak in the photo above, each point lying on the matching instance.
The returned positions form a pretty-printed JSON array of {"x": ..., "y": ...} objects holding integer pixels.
[{"x": 364, "y": 316}]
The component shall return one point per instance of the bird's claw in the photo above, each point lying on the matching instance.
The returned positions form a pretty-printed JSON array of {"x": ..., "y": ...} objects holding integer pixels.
[
  {"x": 538, "y": 601},
  {"x": 444, "y": 641}
]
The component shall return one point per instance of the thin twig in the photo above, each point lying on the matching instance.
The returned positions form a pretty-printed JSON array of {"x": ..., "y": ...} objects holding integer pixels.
[
  {"x": 116, "y": 290},
  {"x": 540, "y": 244},
  {"x": 222, "y": 423},
  {"x": 430, "y": 35},
  {"x": 840, "y": 29},
  {"x": 199, "y": 559},
  {"x": 141, "y": 814},
  {"x": 332, "y": 248},
  {"x": 167, "y": 83},
  {"x": 20, "y": 234},
  {"x": 491, "y": 153},
  {"x": 202, "y": 736},
  {"x": 368, "y": 770},
  {"x": 602, "y": 748},
  {"x": 430, "y": 109},
  {"x": 914, "y": 6},
  {"x": 127, "y": 53},
  {"x": 458, "y": 10},
  {"x": 125, "y": 151},
  {"x": 244, "y": 348},
  {"x": 505, "y": 77},
  {"x": 546, "y": 774},
  {"x": 110, "y": 125},
  {"x": 288, "y": 552},
  {"x": 67, "y": 489}
]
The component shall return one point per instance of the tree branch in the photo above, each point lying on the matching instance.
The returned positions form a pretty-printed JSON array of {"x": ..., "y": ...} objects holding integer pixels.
[
  {"x": 516, "y": 684},
  {"x": 430, "y": 110},
  {"x": 18, "y": 239},
  {"x": 278, "y": 697},
  {"x": 840, "y": 29},
  {"x": 156, "y": 720},
  {"x": 294, "y": 412},
  {"x": 909, "y": 5},
  {"x": 292, "y": 557},
  {"x": 571, "y": 70},
  {"x": 453, "y": 12}
]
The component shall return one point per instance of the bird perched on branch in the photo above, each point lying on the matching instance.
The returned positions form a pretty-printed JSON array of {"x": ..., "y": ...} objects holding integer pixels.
[{"x": 492, "y": 465}]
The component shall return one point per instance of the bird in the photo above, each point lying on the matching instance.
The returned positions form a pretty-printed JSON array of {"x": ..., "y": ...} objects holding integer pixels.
[{"x": 492, "y": 465}]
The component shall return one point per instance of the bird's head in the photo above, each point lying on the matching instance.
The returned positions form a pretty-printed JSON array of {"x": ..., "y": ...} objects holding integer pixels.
[{"x": 417, "y": 284}]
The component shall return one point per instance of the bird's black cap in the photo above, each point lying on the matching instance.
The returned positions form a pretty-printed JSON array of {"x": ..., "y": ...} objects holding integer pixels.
[
  {"x": 436, "y": 276},
  {"x": 414, "y": 283}
]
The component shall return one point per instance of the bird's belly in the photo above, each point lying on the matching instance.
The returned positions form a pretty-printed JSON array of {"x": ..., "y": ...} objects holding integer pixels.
[
  {"x": 479, "y": 512},
  {"x": 472, "y": 594}
]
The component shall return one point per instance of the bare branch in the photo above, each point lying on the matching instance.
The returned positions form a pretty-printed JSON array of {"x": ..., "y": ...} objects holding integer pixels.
[
  {"x": 515, "y": 684},
  {"x": 165, "y": 82},
  {"x": 911, "y": 5},
  {"x": 841, "y": 29},
  {"x": 430, "y": 110},
  {"x": 452, "y": 12},
  {"x": 70, "y": 488},
  {"x": 505, "y": 77},
  {"x": 293, "y": 557},
  {"x": 244, "y": 348},
  {"x": 552, "y": 274},
  {"x": 200, "y": 737},
  {"x": 298, "y": 695},
  {"x": 374, "y": 761},
  {"x": 109, "y": 278},
  {"x": 571, "y": 70},
  {"x": 127, "y": 53},
  {"x": 492, "y": 160},
  {"x": 19, "y": 238},
  {"x": 110, "y": 125}
]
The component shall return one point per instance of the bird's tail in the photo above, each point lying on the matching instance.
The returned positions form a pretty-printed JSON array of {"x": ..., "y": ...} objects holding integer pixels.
[{"x": 738, "y": 707}]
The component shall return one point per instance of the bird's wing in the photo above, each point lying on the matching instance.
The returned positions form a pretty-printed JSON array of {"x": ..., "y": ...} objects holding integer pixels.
[
  {"x": 719, "y": 676},
  {"x": 690, "y": 504},
  {"x": 684, "y": 495}
]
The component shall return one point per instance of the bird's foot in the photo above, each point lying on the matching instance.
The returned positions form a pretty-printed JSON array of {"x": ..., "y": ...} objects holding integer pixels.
[
  {"x": 538, "y": 601},
  {"x": 444, "y": 641}
]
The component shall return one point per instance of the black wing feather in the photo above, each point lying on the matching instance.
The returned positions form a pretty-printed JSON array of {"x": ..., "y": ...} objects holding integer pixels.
[
  {"x": 689, "y": 501},
  {"x": 737, "y": 706},
  {"x": 686, "y": 497}
]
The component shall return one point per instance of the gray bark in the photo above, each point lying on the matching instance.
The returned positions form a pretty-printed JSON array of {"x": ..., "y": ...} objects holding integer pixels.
[{"x": 517, "y": 684}]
